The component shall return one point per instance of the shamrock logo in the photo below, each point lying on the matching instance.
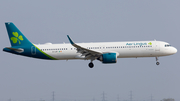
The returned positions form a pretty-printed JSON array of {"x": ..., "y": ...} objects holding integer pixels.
[
  {"x": 150, "y": 43},
  {"x": 16, "y": 38}
]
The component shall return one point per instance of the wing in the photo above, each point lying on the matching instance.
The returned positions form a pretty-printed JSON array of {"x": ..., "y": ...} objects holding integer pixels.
[{"x": 89, "y": 54}]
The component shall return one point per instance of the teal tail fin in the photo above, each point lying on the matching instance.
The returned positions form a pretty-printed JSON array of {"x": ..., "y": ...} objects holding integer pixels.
[{"x": 15, "y": 36}]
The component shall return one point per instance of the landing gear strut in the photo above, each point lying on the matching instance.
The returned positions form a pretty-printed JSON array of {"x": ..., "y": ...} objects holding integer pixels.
[
  {"x": 91, "y": 65},
  {"x": 157, "y": 63}
]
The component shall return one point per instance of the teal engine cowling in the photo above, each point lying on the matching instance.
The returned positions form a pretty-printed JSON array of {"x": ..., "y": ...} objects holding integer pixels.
[{"x": 108, "y": 58}]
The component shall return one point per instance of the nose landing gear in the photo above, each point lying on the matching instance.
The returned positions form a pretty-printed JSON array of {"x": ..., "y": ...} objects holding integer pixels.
[{"x": 157, "y": 63}]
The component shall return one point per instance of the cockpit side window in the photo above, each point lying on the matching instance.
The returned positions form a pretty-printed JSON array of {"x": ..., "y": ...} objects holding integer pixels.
[{"x": 167, "y": 45}]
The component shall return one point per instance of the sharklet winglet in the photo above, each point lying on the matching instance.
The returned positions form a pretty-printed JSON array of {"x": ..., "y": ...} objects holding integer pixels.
[{"x": 70, "y": 40}]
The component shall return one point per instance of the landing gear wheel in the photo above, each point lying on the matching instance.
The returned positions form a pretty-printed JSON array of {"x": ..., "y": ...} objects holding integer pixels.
[
  {"x": 157, "y": 63},
  {"x": 91, "y": 65}
]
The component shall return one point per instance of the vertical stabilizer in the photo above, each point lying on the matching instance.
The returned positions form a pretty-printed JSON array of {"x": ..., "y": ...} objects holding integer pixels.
[{"x": 15, "y": 36}]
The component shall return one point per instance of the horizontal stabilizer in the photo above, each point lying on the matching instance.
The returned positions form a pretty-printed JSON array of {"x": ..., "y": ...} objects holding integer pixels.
[{"x": 16, "y": 49}]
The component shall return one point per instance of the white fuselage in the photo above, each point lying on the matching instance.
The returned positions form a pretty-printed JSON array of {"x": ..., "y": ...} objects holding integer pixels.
[{"x": 131, "y": 49}]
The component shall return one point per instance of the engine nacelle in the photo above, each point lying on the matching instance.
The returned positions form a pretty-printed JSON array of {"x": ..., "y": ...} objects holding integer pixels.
[{"x": 108, "y": 58}]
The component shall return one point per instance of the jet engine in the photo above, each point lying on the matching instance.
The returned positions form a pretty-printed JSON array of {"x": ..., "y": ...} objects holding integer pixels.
[{"x": 108, "y": 58}]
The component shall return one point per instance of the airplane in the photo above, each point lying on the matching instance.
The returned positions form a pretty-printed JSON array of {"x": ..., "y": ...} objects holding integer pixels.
[{"x": 106, "y": 52}]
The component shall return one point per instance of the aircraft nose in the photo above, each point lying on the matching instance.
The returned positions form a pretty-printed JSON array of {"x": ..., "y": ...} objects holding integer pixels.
[{"x": 174, "y": 50}]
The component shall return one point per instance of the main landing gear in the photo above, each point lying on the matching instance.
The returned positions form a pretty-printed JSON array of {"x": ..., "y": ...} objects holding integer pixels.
[
  {"x": 157, "y": 63},
  {"x": 91, "y": 65}
]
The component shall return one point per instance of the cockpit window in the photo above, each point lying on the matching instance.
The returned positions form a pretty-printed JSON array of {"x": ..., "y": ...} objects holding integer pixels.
[{"x": 167, "y": 45}]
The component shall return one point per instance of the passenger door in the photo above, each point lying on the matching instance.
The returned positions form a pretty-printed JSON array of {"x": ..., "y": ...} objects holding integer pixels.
[
  {"x": 157, "y": 47},
  {"x": 33, "y": 50}
]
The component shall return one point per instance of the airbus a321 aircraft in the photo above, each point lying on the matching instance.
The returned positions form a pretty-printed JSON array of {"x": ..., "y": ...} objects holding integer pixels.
[{"x": 106, "y": 52}]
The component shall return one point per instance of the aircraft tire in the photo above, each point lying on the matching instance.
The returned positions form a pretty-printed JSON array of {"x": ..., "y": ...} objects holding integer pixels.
[
  {"x": 91, "y": 65},
  {"x": 157, "y": 63}
]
